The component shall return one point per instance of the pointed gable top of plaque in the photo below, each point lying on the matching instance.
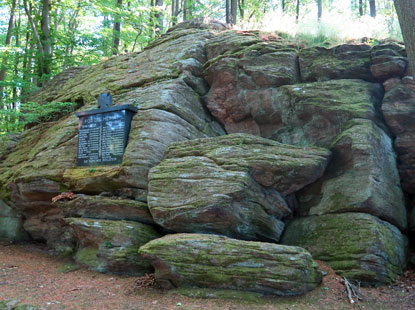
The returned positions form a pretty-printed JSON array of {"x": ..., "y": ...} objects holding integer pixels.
[{"x": 104, "y": 100}]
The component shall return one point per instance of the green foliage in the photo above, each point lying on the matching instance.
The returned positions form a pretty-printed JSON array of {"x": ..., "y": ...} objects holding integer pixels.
[{"x": 32, "y": 113}]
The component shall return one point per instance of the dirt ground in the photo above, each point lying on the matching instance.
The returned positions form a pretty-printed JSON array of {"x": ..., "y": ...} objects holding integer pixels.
[{"x": 33, "y": 275}]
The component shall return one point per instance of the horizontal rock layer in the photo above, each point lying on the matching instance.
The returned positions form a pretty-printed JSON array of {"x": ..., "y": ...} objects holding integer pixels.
[
  {"x": 111, "y": 208},
  {"x": 286, "y": 168}
]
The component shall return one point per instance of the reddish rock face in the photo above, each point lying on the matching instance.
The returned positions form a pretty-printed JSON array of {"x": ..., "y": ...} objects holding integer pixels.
[
  {"x": 388, "y": 61},
  {"x": 399, "y": 112}
]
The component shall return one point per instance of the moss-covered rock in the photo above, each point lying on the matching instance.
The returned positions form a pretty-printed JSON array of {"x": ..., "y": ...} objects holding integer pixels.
[
  {"x": 208, "y": 261},
  {"x": 362, "y": 177},
  {"x": 356, "y": 245},
  {"x": 388, "y": 61},
  {"x": 399, "y": 111},
  {"x": 194, "y": 194},
  {"x": 111, "y": 208},
  {"x": 112, "y": 246},
  {"x": 283, "y": 167},
  {"x": 346, "y": 61},
  {"x": 11, "y": 224},
  {"x": 301, "y": 114},
  {"x": 15, "y": 305},
  {"x": 163, "y": 82}
]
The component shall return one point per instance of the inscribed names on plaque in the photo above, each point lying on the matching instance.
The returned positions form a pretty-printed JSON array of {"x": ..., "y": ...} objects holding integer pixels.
[{"x": 103, "y": 135}]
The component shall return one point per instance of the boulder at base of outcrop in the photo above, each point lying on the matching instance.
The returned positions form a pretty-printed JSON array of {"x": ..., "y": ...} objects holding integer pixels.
[
  {"x": 347, "y": 61},
  {"x": 301, "y": 114},
  {"x": 357, "y": 246},
  {"x": 11, "y": 225},
  {"x": 214, "y": 185},
  {"x": 209, "y": 261},
  {"x": 362, "y": 177},
  {"x": 399, "y": 111},
  {"x": 15, "y": 305},
  {"x": 107, "y": 208},
  {"x": 111, "y": 246}
]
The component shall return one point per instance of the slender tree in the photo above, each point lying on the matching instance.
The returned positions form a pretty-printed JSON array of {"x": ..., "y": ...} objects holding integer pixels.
[
  {"x": 372, "y": 6},
  {"x": 234, "y": 11},
  {"x": 228, "y": 11},
  {"x": 45, "y": 36},
  {"x": 241, "y": 5},
  {"x": 319, "y": 9},
  {"x": 8, "y": 41},
  {"x": 116, "y": 36},
  {"x": 405, "y": 10},
  {"x": 297, "y": 11}
]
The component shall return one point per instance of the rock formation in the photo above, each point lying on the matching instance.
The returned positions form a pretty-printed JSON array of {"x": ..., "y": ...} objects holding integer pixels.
[{"x": 241, "y": 136}]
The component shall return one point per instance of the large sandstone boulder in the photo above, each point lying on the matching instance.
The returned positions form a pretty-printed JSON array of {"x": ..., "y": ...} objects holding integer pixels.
[
  {"x": 214, "y": 185},
  {"x": 112, "y": 246},
  {"x": 356, "y": 245},
  {"x": 301, "y": 114},
  {"x": 284, "y": 167},
  {"x": 399, "y": 111},
  {"x": 362, "y": 177},
  {"x": 208, "y": 261},
  {"x": 194, "y": 194},
  {"x": 347, "y": 61}
]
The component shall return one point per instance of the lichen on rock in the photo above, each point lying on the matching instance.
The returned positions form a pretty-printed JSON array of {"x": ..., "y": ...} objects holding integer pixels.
[{"x": 208, "y": 261}]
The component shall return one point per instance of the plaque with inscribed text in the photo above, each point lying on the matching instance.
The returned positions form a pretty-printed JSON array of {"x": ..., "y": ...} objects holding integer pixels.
[{"x": 103, "y": 135}]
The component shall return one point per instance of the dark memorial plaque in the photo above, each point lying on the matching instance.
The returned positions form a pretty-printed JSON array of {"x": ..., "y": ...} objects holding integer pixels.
[{"x": 103, "y": 135}]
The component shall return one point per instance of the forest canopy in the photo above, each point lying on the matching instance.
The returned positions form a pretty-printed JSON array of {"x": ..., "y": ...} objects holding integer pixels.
[{"x": 40, "y": 38}]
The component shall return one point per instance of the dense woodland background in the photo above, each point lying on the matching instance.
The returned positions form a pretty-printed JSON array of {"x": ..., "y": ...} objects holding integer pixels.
[{"x": 40, "y": 38}]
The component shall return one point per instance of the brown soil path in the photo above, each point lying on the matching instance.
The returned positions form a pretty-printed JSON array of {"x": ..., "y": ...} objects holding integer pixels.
[{"x": 33, "y": 275}]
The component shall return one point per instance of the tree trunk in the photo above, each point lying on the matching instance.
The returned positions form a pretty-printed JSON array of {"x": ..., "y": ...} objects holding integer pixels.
[
  {"x": 12, "y": 21},
  {"x": 360, "y": 7},
  {"x": 46, "y": 40},
  {"x": 372, "y": 4},
  {"x": 228, "y": 11},
  {"x": 116, "y": 33},
  {"x": 157, "y": 18},
  {"x": 297, "y": 11},
  {"x": 405, "y": 10},
  {"x": 234, "y": 11},
  {"x": 319, "y": 9},
  {"x": 185, "y": 10},
  {"x": 283, "y": 6},
  {"x": 241, "y": 4}
]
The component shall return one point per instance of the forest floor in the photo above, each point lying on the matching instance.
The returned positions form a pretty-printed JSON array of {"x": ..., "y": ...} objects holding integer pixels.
[{"x": 31, "y": 274}]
